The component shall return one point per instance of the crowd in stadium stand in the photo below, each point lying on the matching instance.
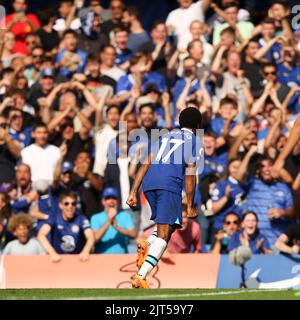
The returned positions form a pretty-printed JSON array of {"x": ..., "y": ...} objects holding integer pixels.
[{"x": 69, "y": 76}]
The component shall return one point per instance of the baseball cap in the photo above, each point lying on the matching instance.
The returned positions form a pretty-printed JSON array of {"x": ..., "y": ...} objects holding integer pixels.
[
  {"x": 47, "y": 73},
  {"x": 110, "y": 192},
  {"x": 67, "y": 167}
]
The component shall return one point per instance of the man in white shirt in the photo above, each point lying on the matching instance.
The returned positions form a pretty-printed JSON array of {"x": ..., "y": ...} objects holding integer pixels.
[
  {"x": 179, "y": 20},
  {"x": 40, "y": 156}
]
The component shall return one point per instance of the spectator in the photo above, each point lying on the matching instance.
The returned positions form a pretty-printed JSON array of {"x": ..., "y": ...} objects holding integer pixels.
[
  {"x": 49, "y": 37},
  {"x": 32, "y": 72},
  {"x": 21, "y": 136},
  {"x": 214, "y": 162},
  {"x": 20, "y": 24},
  {"x": 91, "y": 39},
  {"x": 24, "y": 196},
  {"x": 10, "y": 152},
  {"x": 108, "y": 66},
  {"x": 179, "y": 20},
  {"x": 88, "y": 184},
  {"x": 116, "y": 7},
  {"x": 7, "y": 46},
  {"x": 20, "y": 226},
  {"x": 67, "y": 19},
  {"x": 70, "y": 60},
  {"x": 95, "y": 7},
  {"x": 252, "y": 67},
  {"x": 243, "y": 29},
  {"x": 288, "y": 241},
  {"x": 123, "y": 54},
  {"x": 40, "y": 156},
  {"x": 270, "y": 76},
  {"x": 233, "y": 81},
  {"x": 139, "y": 77},
  {"x": 272, "y": 200},
  {"x": 288, "y": 70},
  {"x": 112, "y": 228},
  {"x": 250, "y": 236},
  {"x": 160, "y": 47},
  {"x": 231, "y": 225},
  {"x": 227, "y": 194},
  {"x": 39, "y": 91},
  {"x": 137, "y": 36},
  {"x": 76, "y": 236},
  {"x": 107, "y": 130},
  {"x": 5, "y": 214}
]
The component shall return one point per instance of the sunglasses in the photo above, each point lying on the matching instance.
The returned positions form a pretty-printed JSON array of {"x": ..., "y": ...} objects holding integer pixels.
[
  {"x": 36, "y": 56},
  {"x": 231, "y": 222},
  {"x": 73, "y": 204},
  {"x": 116, "y": 8},
  {"x": 272, "y": 73}
]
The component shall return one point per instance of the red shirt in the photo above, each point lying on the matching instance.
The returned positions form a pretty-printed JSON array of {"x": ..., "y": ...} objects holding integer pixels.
[{"x": 20, "y": 30}]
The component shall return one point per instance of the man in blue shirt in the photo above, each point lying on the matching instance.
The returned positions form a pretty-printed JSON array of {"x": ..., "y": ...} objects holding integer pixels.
[
  {"x": 16, "y": 130},
  {"x": 123, "y": 54},
  {"x": 112, "y": 228},
  {"x": 69, "y": 231},
  {"x": 271, "y": 200},
  {"x": 174, "y": 158},
  {"x": 71, "y": 60},
  {"x": 140, "y": 66}
]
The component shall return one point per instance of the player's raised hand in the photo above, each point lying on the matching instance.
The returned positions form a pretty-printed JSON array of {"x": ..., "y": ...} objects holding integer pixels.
[
  {"x": 132, "y": 201},
  {"x": 192, "y": 213}
]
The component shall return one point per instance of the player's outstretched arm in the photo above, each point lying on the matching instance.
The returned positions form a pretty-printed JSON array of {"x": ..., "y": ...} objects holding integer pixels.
[
  {"x": 132, "y": 199},
  {"x": 190, "y": 185}
]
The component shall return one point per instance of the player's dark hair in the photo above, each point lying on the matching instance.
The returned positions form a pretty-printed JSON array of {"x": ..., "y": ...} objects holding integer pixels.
[{"x": 190, "y": 118}]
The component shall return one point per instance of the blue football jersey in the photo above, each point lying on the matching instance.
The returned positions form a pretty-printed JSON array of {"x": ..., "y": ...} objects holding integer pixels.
[
  {"x": 67, "y": 237},
  {"x": 171, "y": 154}
]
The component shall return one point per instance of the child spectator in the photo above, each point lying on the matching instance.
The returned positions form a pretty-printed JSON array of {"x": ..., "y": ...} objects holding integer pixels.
[{"x": 20, "y": 226}]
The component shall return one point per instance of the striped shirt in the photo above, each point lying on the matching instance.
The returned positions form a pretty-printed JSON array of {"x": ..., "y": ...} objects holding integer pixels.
[{"x": 261, "y": 197}]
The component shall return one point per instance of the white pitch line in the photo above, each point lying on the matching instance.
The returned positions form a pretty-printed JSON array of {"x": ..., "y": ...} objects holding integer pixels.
[{"x": 180, "y": 295}]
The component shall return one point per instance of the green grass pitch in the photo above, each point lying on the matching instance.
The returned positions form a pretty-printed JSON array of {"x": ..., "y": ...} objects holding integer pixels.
[{"x": 150, "y": 294}]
